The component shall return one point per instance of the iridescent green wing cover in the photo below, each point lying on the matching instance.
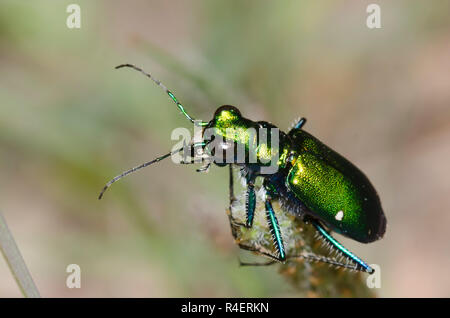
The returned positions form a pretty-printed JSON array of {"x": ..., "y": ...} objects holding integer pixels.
[{"x": 334, "y": 190}]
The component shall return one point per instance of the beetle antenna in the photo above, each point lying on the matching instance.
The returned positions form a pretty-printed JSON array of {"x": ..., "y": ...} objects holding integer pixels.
[
  {"x": 146, "y": 164},
  {"x": 168, "y": 92}
]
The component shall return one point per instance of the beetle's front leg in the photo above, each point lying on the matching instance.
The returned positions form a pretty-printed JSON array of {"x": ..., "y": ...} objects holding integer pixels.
[
  {"x": 205, "y": 167},
  {"x": 233, "y": 222},
  {"x": 250, "y": 201}
]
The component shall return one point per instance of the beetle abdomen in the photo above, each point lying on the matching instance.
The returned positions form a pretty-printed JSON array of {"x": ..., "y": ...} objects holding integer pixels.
[{"x": 334, "y": 190}]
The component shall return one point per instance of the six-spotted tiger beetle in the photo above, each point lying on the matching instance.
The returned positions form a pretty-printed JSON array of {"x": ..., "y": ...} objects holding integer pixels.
[{"x": 311, "y": 181}]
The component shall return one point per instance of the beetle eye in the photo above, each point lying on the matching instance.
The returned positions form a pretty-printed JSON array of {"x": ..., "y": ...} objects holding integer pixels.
[
  {"x": 291, "y": 157},
  {"x": 227, "y": 109}
]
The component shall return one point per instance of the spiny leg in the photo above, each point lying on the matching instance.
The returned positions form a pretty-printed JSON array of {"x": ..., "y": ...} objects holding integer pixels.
[
  {"x": 250, "y": 201},
  {"x": 309, "y": 257},
  {"x": 250, "y": 209},
  {"x": 233, "y": 223},
  {"x": 273, "y": 225},
  {"x": 275, "y": 230},
  {"x": 359, "y": 263}
]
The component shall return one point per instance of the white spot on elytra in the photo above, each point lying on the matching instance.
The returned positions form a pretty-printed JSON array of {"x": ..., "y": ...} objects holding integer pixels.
[{"x": 339, "y": 215}]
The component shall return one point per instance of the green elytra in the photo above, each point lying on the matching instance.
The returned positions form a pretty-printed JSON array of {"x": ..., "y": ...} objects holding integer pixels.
[
  {"x": 334, "y": 189},
  {"x": 312, "y": 181}
]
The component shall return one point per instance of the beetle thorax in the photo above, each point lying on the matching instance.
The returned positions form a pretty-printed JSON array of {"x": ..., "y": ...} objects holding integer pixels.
[{"x": 239, "y": 140}]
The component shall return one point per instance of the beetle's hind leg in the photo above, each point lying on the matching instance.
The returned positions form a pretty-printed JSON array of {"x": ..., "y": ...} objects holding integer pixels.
[
  {"x": 309, "y": 257},
  {"x": 359, "y": 264}
]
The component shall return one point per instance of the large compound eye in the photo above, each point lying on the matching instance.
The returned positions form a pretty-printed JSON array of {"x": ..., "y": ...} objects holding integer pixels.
[{"x": 227, "y": 111}]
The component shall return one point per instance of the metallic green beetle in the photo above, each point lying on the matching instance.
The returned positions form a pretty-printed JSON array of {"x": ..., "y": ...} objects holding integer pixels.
[{"x": 311, "y": 181}]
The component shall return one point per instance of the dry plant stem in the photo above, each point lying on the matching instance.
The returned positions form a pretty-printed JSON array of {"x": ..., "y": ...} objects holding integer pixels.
[{"x": 15, "y": 261}]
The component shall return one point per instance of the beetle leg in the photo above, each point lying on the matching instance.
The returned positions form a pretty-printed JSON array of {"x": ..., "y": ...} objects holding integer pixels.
[
  {"x": 360, "y": 264},
  {"x": 275, "y": 230},
  {"x": 256, "y": 264},
  {"x": 261, "y": 251},
  {"x": 231, "y": 186},
  {"x": 185, "y": 162},
  {"x": 194, "y": 159},
  {"x": 233, "y": 222},
  {"x": 250, "y": 202},
  {"x": 318, "y": 258},
  {"x": 298, "y": 124},
  {"x": 309, "y": 257},
  {"x": 204, "y": 168}
]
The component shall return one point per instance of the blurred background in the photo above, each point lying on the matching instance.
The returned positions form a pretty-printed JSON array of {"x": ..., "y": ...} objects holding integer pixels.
[{"x": 69, "y": 122}]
